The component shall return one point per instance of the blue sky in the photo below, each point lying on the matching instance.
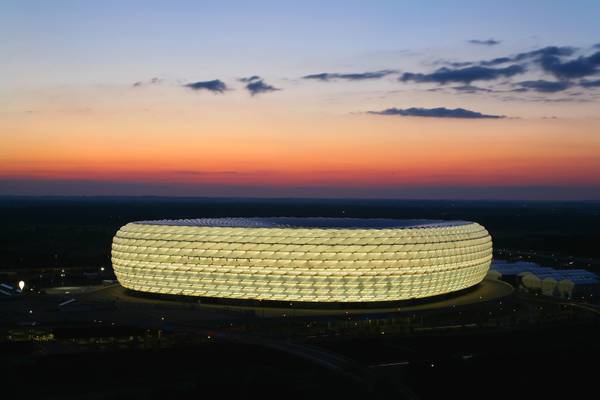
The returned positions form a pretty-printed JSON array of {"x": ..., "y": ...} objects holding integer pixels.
[
  {"x": 62, "y": 42},
  {"x": 458, "y": 99}
]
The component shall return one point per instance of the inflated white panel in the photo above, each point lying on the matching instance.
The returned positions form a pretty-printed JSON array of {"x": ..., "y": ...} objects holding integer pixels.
[{"x": 316, "y": 260}]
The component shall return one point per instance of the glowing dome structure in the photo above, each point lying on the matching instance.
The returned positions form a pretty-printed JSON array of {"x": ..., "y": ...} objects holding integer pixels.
[{"x": 302, "y": 259}]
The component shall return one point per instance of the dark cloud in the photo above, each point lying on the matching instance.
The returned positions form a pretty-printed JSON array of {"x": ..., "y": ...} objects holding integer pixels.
[
  {"x": 152, "y": 81},
  {"x": 590, "y": 84},
  {"x": 249, "y": 79},
  {"x": 471, "y": 89},
  {"x": 543, "y": 86},
  {"x": 557, "y": 51},
  {"x": 489, "y": 42},
  {"x": 577, "y": 68},
  {"x": 257, "y": 86},
  {"x": 496, "y": 61},
  {"x": 458, "y": 64},
  {"x": 549, "y": 51},
  {"x": 463, "y": 75},
  {"x": 439, "y": 112},
  {"x": 215, "y": 86},
  {"x": 561, "y": 62},
  {"x": 359, "y": 76},
  {"x": 552, "y": 60}
]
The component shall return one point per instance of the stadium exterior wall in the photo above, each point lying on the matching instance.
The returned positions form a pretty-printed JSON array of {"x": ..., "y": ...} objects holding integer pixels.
[{"x": 302, "y": 262}]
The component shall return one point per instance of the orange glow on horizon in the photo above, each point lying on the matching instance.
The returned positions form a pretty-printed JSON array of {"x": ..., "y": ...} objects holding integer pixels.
[{"x": 277, "y": 148}]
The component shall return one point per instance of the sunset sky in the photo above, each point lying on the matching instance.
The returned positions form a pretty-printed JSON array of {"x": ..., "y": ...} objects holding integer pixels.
[{"x": 378, "y": 99}]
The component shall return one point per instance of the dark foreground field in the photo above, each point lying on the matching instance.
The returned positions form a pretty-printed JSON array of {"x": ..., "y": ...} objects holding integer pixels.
[
  {"x": 550, "y": 363},
  {"x": 77, "y": 232},
  {"x": 529, "y": 347}
]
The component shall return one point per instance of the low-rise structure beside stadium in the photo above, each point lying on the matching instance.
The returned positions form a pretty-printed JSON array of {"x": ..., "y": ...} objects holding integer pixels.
[{"x": 322, "y": 260}]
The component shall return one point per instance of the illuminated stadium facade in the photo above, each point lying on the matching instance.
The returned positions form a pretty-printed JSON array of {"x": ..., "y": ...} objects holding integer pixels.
[{"x": 324, "y": 260}]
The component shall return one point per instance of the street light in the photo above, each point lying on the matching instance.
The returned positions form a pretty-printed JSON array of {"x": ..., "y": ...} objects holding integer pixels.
[{"x": 21, "y": 285}]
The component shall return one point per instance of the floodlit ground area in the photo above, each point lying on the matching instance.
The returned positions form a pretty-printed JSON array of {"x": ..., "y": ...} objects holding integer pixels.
[{"x": 104, "y": 333}]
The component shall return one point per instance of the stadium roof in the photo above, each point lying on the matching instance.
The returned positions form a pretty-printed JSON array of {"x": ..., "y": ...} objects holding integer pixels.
[
  {"x": 312, "y": 222},
  {"x": 578, "y": 276}
]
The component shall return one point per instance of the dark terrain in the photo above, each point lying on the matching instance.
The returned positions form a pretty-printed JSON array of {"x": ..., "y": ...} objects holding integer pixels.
[
  {"x": 524, "y": 346},
  {"x": 77, "y": 232}
]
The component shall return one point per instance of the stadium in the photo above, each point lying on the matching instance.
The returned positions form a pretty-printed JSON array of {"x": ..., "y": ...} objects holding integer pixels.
[{"x": 311, "y": 260}]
